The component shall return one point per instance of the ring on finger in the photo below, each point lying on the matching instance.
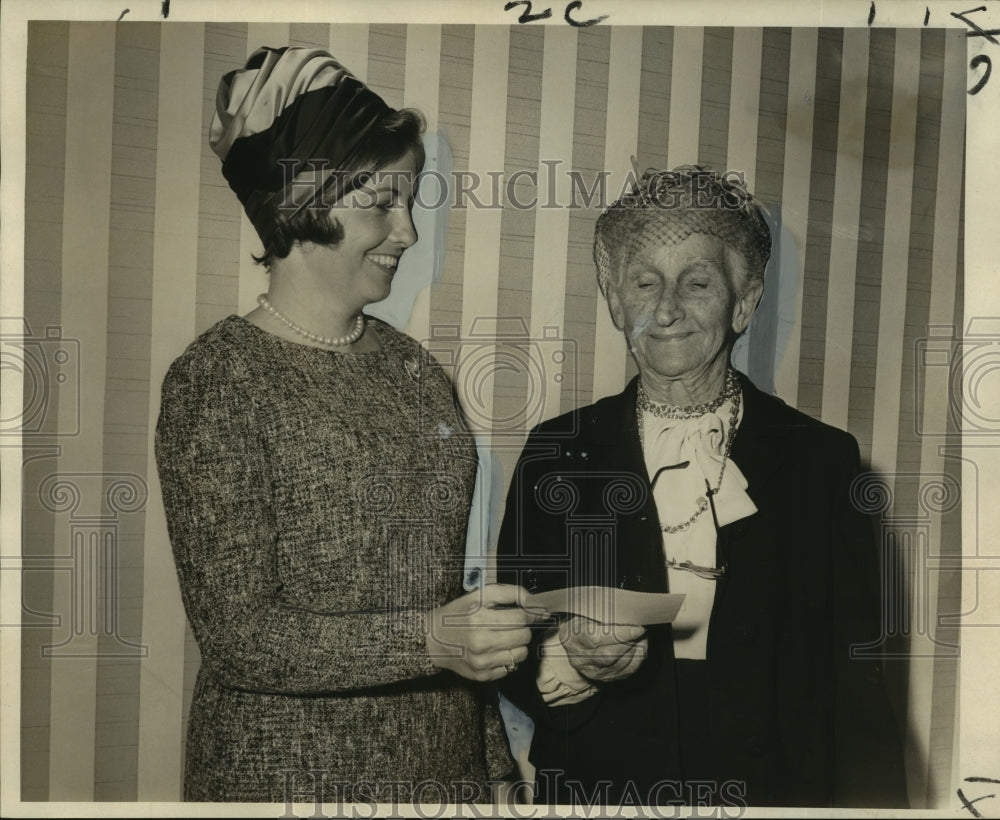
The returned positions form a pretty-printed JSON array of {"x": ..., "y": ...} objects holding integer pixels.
[{"x": 510, "y": 667}]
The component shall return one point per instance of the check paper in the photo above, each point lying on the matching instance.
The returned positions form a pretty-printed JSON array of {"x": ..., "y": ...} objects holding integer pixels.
[{"x": 609, "y": 605}]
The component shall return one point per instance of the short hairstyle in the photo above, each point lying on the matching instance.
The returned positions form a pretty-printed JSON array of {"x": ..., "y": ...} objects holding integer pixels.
[
  {"x": 389, "y": 140},
  {"x": 665, "y": 207}
]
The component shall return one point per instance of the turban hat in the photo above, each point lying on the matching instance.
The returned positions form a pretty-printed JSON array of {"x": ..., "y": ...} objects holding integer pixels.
[
  {"x": 665, "y": 207},
  {"x": 289, "y": 114}
]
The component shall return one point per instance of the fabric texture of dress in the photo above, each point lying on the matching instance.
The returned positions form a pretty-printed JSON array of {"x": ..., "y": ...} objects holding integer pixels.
[{"x": 317, "y": 505}]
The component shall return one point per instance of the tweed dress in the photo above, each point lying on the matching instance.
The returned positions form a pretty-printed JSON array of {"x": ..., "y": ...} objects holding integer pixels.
[{"x": 317, "y": 505}]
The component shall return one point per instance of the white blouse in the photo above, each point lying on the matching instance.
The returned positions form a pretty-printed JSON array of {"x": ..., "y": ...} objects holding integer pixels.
[{"x": 701, "y": 443}]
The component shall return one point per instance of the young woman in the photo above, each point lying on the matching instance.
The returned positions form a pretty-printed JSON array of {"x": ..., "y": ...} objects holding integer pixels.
[{"x": 317, "y": 479}]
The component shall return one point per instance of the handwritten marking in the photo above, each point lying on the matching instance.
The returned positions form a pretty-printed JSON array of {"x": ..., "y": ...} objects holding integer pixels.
[
  {"x": 979, "y": 59},
  {"x": 165, "y": 9},
  {"x": 526, "y": 15},
  {"x": 578, "y": 4},
  {"x": 927, "y": 15},
  {"x": 975, "y": 62},
  {"x": 976, "y": 30},
  {"x": 967, "y": 803},
  {"x": 124, "y": 12},
  {"x": 871, "y": 13}
]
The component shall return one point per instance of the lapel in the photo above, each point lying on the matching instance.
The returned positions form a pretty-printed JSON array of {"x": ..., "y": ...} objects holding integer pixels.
[
  {"x": 761, "y": 447},
  {"x": 610, "y": 428}
]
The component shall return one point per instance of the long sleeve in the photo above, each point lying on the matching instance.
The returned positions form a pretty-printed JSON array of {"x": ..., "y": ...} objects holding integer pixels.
[
  {"x": 530, "y": 546},
  {"x": 216, "y": 483}
]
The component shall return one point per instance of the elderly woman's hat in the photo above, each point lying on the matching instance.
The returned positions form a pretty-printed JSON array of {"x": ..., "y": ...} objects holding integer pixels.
[
  {"x": 289, "y": 114},
  {"x": 665, "y": 207}
]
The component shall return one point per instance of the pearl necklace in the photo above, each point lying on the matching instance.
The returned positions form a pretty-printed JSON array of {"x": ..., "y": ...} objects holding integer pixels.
[
  {"x": 730, "y": 390},
  {"x": 334, "y": 341}
]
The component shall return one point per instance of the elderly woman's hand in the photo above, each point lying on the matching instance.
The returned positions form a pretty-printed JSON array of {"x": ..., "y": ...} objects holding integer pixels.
[
  {"x": 482, "y": 635},
  {"x": 558, "y": 682},
  {"x": 603, "y": 652}
]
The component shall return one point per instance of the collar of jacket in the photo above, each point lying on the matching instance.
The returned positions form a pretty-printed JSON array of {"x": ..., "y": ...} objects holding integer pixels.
[{"x": 757, "y": 447}]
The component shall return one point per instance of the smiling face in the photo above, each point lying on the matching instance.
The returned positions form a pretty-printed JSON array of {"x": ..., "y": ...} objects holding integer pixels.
[
  {"x": 377, "y": 228},
  {"x": 681, "y": 306}
]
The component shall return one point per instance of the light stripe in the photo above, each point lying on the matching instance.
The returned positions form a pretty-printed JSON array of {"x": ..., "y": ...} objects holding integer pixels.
[
  {"x": 253, "y": 277},
  {"x": 621, "y": 139},
  {"x": 795, "y": 195},
  {"x": 844, "y": 232},
  {"x": 555, "y": 143},
  {"x": 896, "y": 244},
  {"x": 926, "y": 760},
  {"x": 744, "y": 103},
  {"x": 944, "y": 263},
  {"x": 349, "y": 44},
  {"x": 685, "y": 96},
  {"x": 421, "y": 90},
  {"x": 981, "y": 465},
  {"x": 175, "y": 266},
  {"x": 90, "y": 92},
  {"x": 487, "y": 138},
  {"x": 741, "y": 147}
]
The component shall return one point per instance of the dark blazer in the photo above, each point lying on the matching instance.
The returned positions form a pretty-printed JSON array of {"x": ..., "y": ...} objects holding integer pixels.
[{"x": 793, "y": 718}]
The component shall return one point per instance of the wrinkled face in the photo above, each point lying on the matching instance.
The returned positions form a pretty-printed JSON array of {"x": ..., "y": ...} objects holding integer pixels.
[
  {"x": 682, "y": 305},
  {"x": 377, "y": 224}
]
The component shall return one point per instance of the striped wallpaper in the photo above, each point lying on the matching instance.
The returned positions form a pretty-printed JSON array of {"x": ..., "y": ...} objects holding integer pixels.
[{"x": 134, "y": 244}]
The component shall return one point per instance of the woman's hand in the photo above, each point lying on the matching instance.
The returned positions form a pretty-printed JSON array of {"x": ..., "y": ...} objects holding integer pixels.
[
  {"x": 556, "y": 693},
  {"x": 603, "y": 652},
  {"x": 483, "y": 635},
  {"x": 558, "y": 682}
]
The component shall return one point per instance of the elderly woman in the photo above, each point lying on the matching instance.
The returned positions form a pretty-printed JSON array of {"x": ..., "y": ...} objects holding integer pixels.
[
  {"x": 317, "y": 480},
  {"x": 693, "y": 481}
]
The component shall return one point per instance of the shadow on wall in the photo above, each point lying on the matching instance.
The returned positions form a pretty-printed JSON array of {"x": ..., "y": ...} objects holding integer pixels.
[{"x": 919, "y": 645}]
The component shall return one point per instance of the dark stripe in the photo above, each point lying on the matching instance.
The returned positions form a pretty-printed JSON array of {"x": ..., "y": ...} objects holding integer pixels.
[
  {"x": 45, "y": 160},
  {"x": 822, "y": 177},
  {"x": 454, "y": 115},
  {"x": 387, "y": 62},
  {"x": 716, "y": 83},
  {"x": 512, "y": 383},
  {"x": 919, "y": 263},
  {"x": 654, "y": 96},
  {"x": 775, "y": 52},
  {"x": 219, "y": 217},
  {"x": 309, "y": 35},
  {"x": 589, "y": 137},
  {"x": 868, "y": 278}
]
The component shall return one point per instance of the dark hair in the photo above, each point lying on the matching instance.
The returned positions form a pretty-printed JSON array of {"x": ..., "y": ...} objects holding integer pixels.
[{"x": 389, "y": 139}]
